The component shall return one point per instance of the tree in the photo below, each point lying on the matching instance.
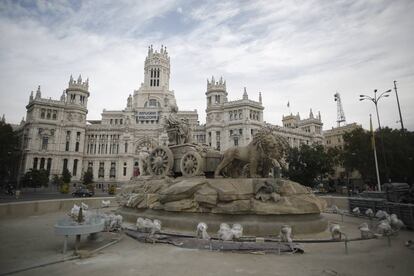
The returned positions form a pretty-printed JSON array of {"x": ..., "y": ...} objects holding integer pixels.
[
  {"x": 88, "y": 180},
  {"x": 8, "y": 152},
  {"x": 399, "y": 153},
  {"x": 309, "y": 163},
  {"x": 57, "y": 181},
  {"x": 36, "y": 178},
  {"x": 66, "y": 176},
  {"x": 88, "y": 177}
]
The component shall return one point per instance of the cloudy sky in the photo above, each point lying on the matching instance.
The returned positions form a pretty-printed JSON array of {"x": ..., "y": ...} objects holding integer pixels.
[{"x": 297, "y": 51}]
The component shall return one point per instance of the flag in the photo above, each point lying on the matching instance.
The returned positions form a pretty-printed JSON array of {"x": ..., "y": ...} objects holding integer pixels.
[
  {"x": 372, "y": 132},
  {"x": 288, "y": 104}
]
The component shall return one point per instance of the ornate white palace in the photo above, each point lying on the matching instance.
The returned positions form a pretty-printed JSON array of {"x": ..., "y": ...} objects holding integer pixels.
[{"x": 56, "y": 133}]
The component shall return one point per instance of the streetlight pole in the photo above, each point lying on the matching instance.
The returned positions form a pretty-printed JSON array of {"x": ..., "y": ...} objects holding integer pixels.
[
  {"x": 398, "y": 103},
  {"x": 375, "y": 100}
]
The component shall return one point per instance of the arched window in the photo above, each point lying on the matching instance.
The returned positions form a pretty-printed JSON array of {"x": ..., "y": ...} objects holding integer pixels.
[
  {"x": 42, "y": 163},
  {"x": 65, "y": 164},
  {"x": 35, "y": 160},
  {"x": 49, "y": 164},
  {"x": 75, "y": 166}
]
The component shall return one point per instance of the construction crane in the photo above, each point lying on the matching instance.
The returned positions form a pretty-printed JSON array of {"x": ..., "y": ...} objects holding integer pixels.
[{"x": 340, "y": 110}]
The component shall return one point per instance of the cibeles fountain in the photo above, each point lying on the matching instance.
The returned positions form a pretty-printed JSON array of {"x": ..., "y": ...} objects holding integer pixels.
[{"x": 183, "y": 184}]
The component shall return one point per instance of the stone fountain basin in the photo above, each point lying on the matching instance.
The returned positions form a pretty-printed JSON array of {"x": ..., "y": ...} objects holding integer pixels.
[{"x": 68, "y": 227}]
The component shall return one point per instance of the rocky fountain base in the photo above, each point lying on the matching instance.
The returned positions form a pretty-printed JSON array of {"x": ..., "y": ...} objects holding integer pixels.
[{"x": 261, "y": 206}]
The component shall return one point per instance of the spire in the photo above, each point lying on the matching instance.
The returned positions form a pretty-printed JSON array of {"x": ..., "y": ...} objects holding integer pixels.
[
  {"x": 38, "y": 93},
  {"x": 22, "y": 121},
  {"x": 3, "y": 119},
  {"x": 311, "y": 114},
  {"x": 71, "y": 79},
  {"x": 87, "y": 83},
  {"x": 245, "y": 96},
  {"x": 63, "y": 97},
  {"x": 79, "y": 79},
  {"x": 260, "y": 97},
  {"x": 213, "y": 81},
  {"x": 319, "y": 115},
  {"x": 31, "y": 96}
]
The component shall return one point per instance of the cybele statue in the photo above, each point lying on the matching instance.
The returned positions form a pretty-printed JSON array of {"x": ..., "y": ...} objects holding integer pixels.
[{"x": 192, "y": 183}]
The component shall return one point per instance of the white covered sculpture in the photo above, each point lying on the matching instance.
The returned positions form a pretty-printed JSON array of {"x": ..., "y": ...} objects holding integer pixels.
[
  {"x": 285, "y": 233},
  {"x": 335, "y": 230},
  {"x": 75, "y": 210},
  {"x": 201, "y": 231},
  {"x": 225, "y": 232},
  {"x": 84, "y": 206},
  {"x": 112, "y": 222},
  {"x": 105, "y": 203},
  {"x": 237, "y": 230},
  {"x": 384, "y": 228},
  {"x": 369, "y": 212},
  {"x": 366, "y": 233},
  {"x": 395, "y": 222},
  {"x": 336, "y": 210},
  {"x": 356, "y": 211},
  {"x": 381, "y": 214},
  {"x": 147, "y": 225}
]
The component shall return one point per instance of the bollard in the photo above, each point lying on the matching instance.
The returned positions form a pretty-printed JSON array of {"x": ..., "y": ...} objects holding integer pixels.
[
  {"x": 77, "y": 242},
  {"x": 278, "y": 247},
  {"x": 65, "y": 244},
  {"x": 346, "y": 246}
]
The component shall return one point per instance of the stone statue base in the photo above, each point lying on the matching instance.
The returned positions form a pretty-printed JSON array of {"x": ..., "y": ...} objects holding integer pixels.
[{"x": 261, "y": 205}]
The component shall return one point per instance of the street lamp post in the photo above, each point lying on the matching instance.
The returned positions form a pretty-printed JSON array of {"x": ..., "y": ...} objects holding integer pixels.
[{"x": 375, "y": 100}]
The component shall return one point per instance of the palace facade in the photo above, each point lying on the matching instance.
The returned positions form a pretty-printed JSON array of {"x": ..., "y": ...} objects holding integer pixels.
[{"x": 56, "y": 133}]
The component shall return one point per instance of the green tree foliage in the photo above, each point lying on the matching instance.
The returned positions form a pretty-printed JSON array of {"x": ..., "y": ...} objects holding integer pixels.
[
  {"x": 35, "y": 178},
  {"x": 88, "y": 177},
  {"x": 8, "y": 152},
  {"x": 66, "y": 176},
  {"x": 88, "y": 180},
  {"x": 399, "y": 152},
  {"x": 57, "y": 181},
  {"x": 309, "y": 163}
]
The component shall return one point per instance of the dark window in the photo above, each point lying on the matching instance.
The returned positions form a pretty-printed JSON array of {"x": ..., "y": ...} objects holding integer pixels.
[
  {"x": 77, "y": 146},
  {"x": 75, "y": 166},
  {"x": 49, "y": 164},
  {"x": 42, "y": 113},
  {"x": 126, "y": 147},
  {"x": 101, "y": 171},
  {"x": 65, "y": 163},
  {"x": 112, "y": 171},
  {"x": 125, "y": 170},
  {"x": 54, "y": 115},
  {"x": 67, "y": 146},
  {"x": 45, "y": 141},
  {"x": 35, "y": 160},
  {"x": 90, "y": 166},
  {"x": 236, "y": 141},
  {"x": 42, "y": 163}
]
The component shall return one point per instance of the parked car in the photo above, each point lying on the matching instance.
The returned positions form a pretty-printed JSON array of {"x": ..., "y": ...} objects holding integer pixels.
[{"x": 82, "y": 192}]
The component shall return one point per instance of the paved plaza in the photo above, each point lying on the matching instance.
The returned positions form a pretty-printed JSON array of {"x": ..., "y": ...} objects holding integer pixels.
[{"x": 30, "y": 242}]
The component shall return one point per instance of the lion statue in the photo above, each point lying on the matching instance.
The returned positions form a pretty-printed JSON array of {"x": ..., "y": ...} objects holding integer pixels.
[{"x": 266, "y": 150}]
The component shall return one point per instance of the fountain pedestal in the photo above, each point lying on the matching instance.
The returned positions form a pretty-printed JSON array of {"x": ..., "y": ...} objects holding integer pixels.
[{"x": 68, "y": 227}]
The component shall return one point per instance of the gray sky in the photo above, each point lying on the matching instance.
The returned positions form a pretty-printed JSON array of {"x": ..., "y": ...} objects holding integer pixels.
[{"x": 297, "y": 51}]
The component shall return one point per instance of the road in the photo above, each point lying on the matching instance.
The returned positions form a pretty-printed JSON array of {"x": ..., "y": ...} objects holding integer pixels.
[{"x": 28, "y": 196}]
